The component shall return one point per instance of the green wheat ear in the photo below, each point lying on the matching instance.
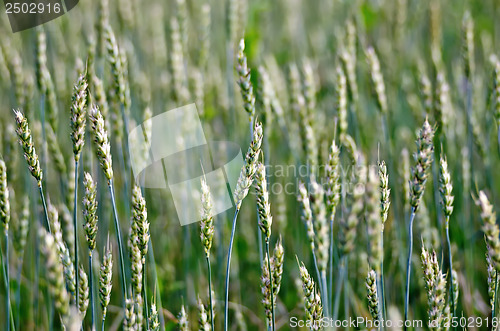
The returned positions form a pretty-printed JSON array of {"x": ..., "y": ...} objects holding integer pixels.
[{"x": 372, "y": 296}]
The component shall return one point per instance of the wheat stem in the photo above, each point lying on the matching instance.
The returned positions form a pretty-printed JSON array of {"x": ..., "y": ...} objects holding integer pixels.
[
  {"x": 119, "y": 238},
  {"x": 91, "y": 289},
  {"x": 42, "y": 196},
  {"x": 408, "y": 263},
  {"x": 228, "y": 266},
  {"x": 144, "y": 292},
  {"x": 271, "y": 285},
  {"x": 7, "y": 280},
  {"x": 75, "y": 232},
  {"x": 493, "y": 314},
  {"x": 210, "y": 291},
  {"x": 11, "y": 316},
  {"x": 338, "y": 288},
  {"x": 453, "y": 308},
  {"x": 382, "y": 287}
]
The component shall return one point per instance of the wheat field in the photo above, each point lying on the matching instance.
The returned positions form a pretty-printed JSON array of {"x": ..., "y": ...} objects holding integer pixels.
[{"x": 366, "y": 196}]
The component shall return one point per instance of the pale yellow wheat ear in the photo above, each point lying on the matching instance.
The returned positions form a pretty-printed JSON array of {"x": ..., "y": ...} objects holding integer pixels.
[
  {"x": 78, "y": 116},
  {"x": 207, "y": 219},
  {"x": 26, "y": 141},
  {"x": 105, "y": 278},
  {"x": 312, "y": 299},
  {"x": 244, "y": 81},
  {"x": 247, "y": 173},
  {"x": 103, "y": 147},
  {"x": 423, "y": 160},
  {"x": 90, "y": 210}
]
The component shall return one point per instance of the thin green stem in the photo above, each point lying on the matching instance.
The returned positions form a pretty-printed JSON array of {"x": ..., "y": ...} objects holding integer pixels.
[
  {"x": 6, "y": 284},
  {"x": 408, "y": 263},
  {"x": 271, "y": 284},
  {"x": 381, "y": 300},
  {"x": 75, "y": 232},
  {"x": 91, "y": 289},
  {"x": 382, "y": 287},
  {"x": 144, "y": 289},
  {"x": 338, "y": 287},
  {"x": 228, "y": 267},
  {"x": 330, "y": 280},
  {"x": 7, "y": 279},
  {"x": 18, "y": 291},
  {"x": 320, "y": 283},
  {"x": 103, "y": 322},
  {"x": 210, "y": 291},
  {"x": 453, "y": 308},
  {"x": 119, "y": 239},
  {"x": 42, "y": 196},
  {"x": 493, "y": 313},
  {"x": 325, "y": 293}
]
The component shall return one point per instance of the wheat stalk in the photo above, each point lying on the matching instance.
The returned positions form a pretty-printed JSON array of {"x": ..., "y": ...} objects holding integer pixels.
[
  {"x": 245, "y": 180},
  {"x": 5, "y": 219},
  {"x": 423, "y": 160},
  {"x": 90, "y": 227},
  {"x": 207, "y": 234},
  {"x": 103, "y": 151}
]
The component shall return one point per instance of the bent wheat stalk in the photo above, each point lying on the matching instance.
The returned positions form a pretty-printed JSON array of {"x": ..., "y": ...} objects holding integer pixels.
[{"x": 242, "y": 186}]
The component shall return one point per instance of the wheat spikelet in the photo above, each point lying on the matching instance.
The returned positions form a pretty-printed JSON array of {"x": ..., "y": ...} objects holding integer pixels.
[
  {"x": 83, "y": 293},
  {"x": 78, "y": 116},
  {"x": 263, "y": 205},
  {"x": 441, "y": 108},
  {"x": 183, "y": 320},
  {"x": 307, "y": 214},
  {"x": 105, "y": 279},
  {"x": 436, "y": 289},
  {"x": 341, "y": 98},
  {"x": 426, "y": 93},
  {"x": 385, "y": 192},
  {"x": 54, "y": 272},
  {"x": 26, "y": 141},
  {"x": 490, "y": 228},
  {"x": 130, "y": 320},
  {"x": 244, "y": 81},
  {"x": 90, "y": 210},
  {"x": 372, "y": 296},
  {"x": 348, "y": 58},
  {"x": 153, "y": 323},
  {"x": 177, "y": 63},
  {"x": 21, "y": 227},
  {"x": 496, "y": 92},
  {"x": 248, "y": 170},
  {"x": 103, "y": 147},
  {"x": 377, "y": 80},
  {"x": 468, "y": 44},
  {"x": 4, "y": 198},
  {"x": 492, "y": 277},
  {"x": 445, "y": 187},
  {"x": 312, "y": 300},
  {"x": 203, "y": 319},
  {"x": 140, "y": 224},
  {"x": 321, "y": 225},
  {"x": 207, "y": 220},
  {"x": 423, "y": 160}
]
